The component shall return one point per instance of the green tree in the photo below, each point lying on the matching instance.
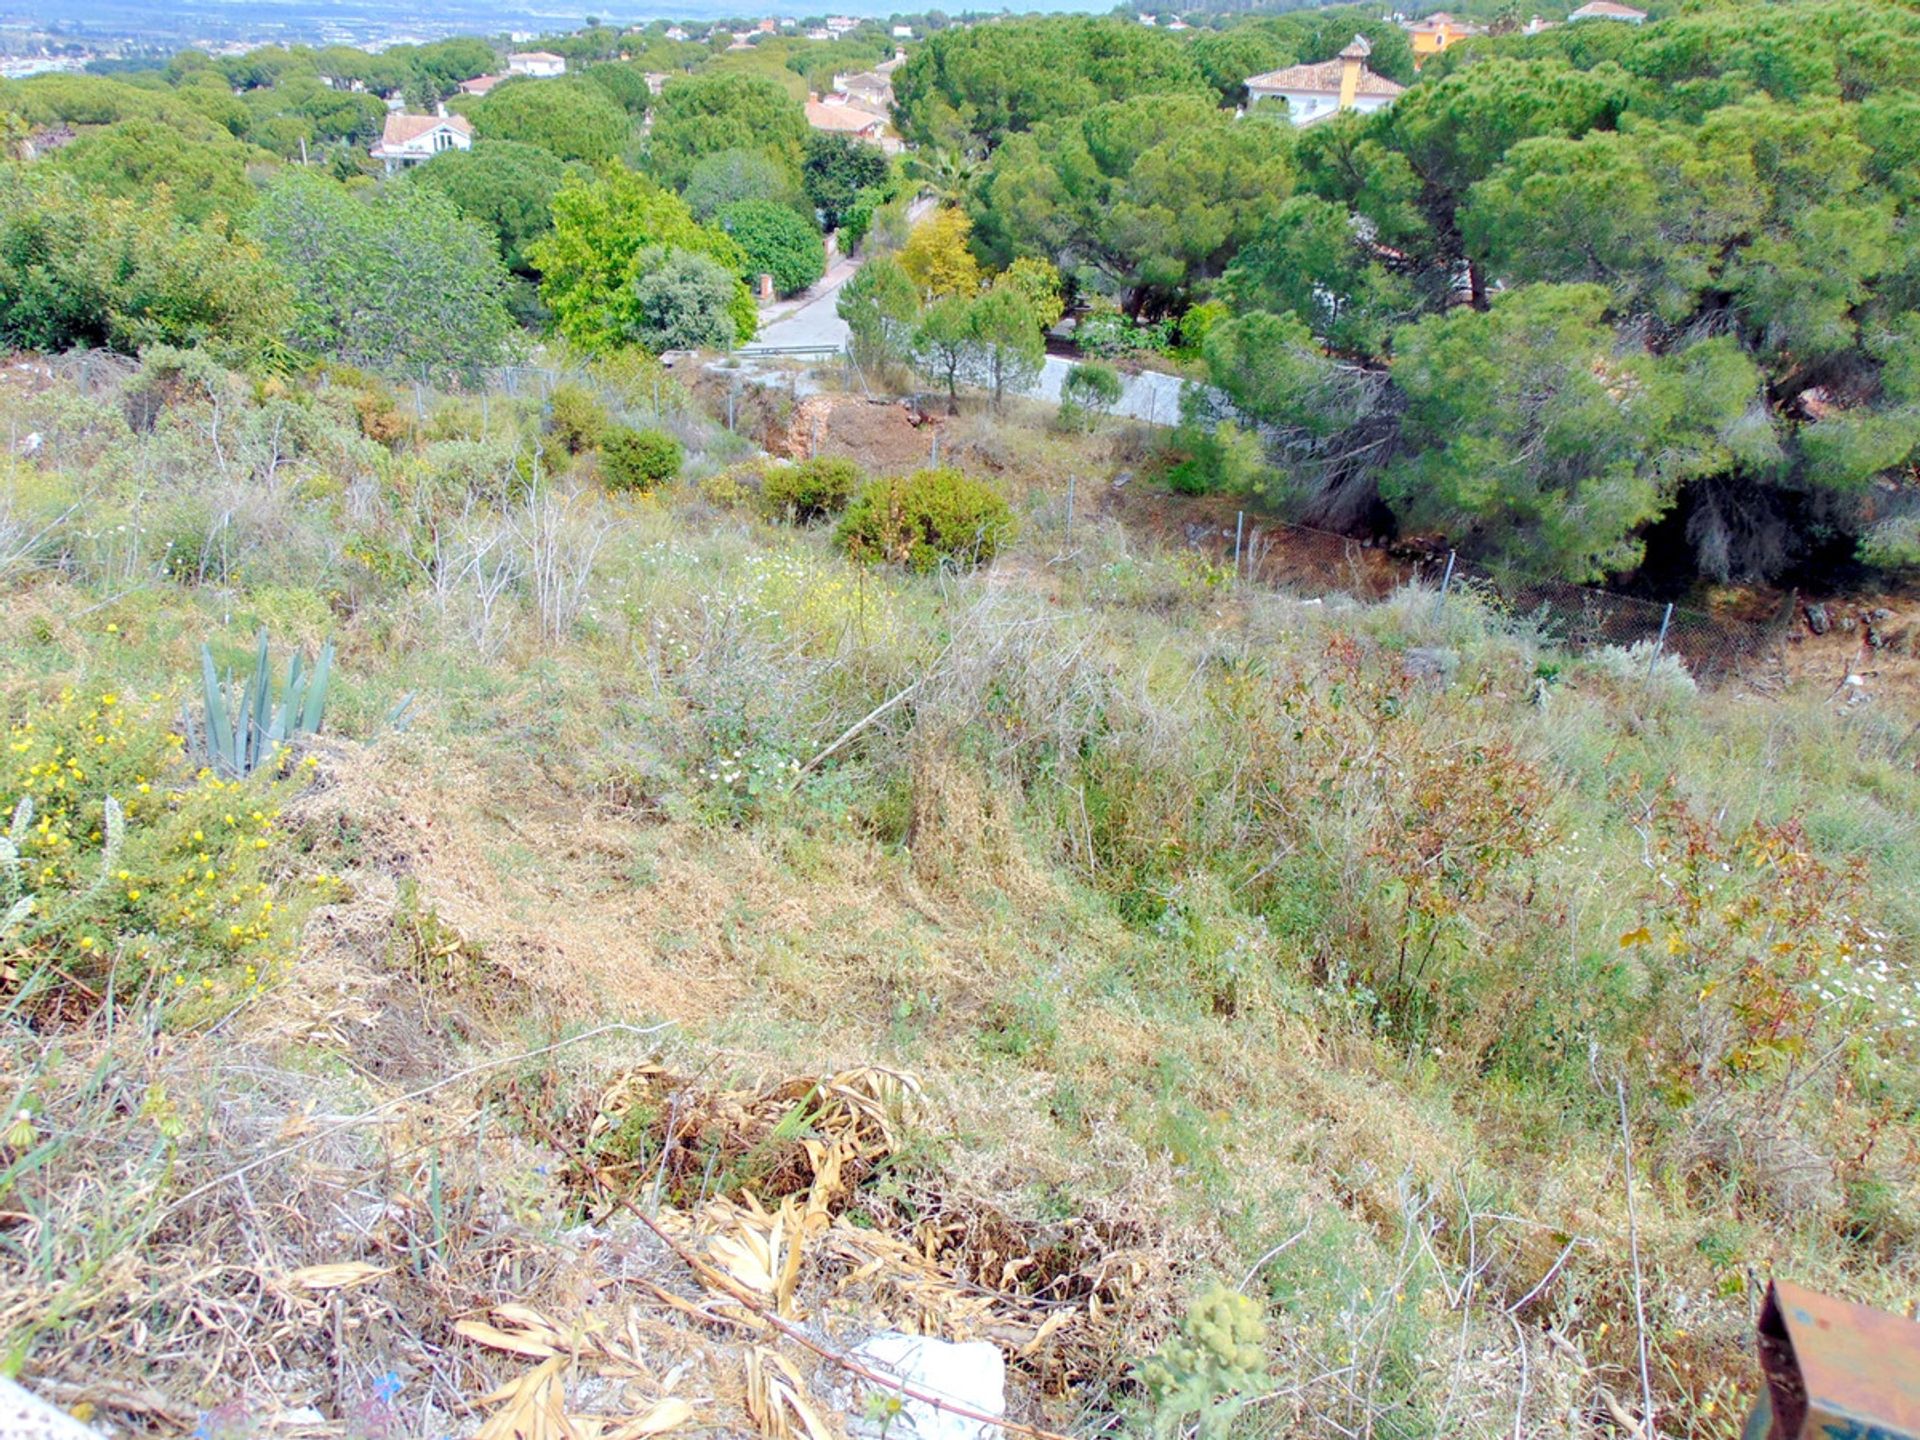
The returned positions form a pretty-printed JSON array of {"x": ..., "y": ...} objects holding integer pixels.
[
  {"x": 836, "y": 169},
  {"x": 83, "y": 269},
  {"x": 969, "y": 89},
  {"x": 1088, "y": 394},
  {"x": 625, "y": 84},
  {"x": 1419, "y": 159},
  {"x": 1232, "y": 57},
  {"x": 1150, "y": 197},
  {"x": 702, "y": 115},
  {"x": 943, "y": 345},
  {"x": 1038, "y": 283},
  {"x": 439, "y": 68},
  {"x": 880, "y": 305},
  {"x": 1309, "y": 260},
  {"x": 1007, "y": 351},
  {"x": 130, "y": 159},
  {"x": 208, "y": 94},
  {"x": 944, "y": 172},
  {"x": 1535, "y": 439},
  {"x": 777, "y": 242},
  {"x": 730, "y": 176},
  {"x": 504, "y": 185},
  {"x": 592, "y": 259},
  {"x": 570, "y": 117},
  {"x": 399, "y": 281}
]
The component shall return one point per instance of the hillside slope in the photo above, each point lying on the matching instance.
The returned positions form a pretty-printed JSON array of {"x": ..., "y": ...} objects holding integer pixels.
[{"x": 1006, "y": 953}]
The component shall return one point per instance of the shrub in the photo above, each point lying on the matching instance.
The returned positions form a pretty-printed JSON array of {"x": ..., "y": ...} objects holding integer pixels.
[
  {"x": 576, "y": 418},
  {"x": 925, "y": 520},
  {"x": 136, "y": 864},
  {"x": 812, "y": 490},
  {"x": 1893, "y": 544},
  {"x": 638, "y": 459},
  {"x": 732, "y": 488}
]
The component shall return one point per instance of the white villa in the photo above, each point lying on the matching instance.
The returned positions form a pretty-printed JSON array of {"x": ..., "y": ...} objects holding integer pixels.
[
  {"x": 540, "y": 64},
  {"x": 1314, "y": 92},
  {"x": 409, "y": 139}
]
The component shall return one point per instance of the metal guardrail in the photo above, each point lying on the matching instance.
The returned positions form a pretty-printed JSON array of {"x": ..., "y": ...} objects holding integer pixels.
[{"x": 751, "y": 352}]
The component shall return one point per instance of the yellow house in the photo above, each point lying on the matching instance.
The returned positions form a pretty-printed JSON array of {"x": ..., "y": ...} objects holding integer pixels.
[{"x": 1435, "y": 33}]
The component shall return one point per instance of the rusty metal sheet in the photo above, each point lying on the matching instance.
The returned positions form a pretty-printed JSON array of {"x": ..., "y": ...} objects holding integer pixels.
[{"x": 1837, "y": 1371}]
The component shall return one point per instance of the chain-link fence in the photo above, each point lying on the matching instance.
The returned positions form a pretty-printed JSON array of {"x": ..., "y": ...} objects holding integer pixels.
[{"x": 1313, "y": 562}]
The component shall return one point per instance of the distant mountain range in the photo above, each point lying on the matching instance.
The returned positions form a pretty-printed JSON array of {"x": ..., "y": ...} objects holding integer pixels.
[{"x": 382, "y": 22}]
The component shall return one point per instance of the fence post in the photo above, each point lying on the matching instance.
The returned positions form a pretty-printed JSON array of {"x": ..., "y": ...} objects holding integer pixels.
[
  {"x": 933, "y": 461},
  {"x": 1658, "y": 645},
  {"x": 731, "y": 393},
  {"x": 1239, "y": 528},
  {"x": 1446, "y": 581},
  {"x": 1071, "y": 479}
]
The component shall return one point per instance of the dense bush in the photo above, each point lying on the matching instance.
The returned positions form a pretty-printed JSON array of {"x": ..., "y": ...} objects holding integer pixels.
[
  {"x": 638, "y": 459},
  {"x": 685, "y": 302},
  {"x": 811, "y": 490},
  {"x": 926, "y": 520}
]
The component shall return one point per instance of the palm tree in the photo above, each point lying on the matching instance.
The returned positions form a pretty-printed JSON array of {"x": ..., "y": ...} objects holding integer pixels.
[{"x": 947, "y": 174}]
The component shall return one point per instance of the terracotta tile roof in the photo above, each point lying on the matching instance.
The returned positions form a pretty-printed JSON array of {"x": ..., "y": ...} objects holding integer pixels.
[
  {"x": 535, "y": 55},
  {"x": 849, "y": 118},
  {"x": 1607, "y": 10},
  {"x": 404, "y": 128},
  {"x": 1323, "y": 79},
  {"x": 480, "y": 84}
]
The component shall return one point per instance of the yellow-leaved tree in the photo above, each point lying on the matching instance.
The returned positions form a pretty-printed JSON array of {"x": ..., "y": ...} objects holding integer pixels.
[{"x": 936, "y": 257}]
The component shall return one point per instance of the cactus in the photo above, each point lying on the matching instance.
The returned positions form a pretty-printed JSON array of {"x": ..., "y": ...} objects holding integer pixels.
[{"x": 244, "y": 730}]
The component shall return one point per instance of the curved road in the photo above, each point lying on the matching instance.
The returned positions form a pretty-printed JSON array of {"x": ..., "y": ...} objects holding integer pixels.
[{"x": 811, "y": 320}]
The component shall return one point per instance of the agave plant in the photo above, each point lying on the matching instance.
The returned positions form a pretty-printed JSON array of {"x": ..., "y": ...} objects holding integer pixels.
[{"x": 244, "y": 727}]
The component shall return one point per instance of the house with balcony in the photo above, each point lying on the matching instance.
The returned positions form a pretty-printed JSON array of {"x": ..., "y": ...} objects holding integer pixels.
[{"x": 410, "y": 139}]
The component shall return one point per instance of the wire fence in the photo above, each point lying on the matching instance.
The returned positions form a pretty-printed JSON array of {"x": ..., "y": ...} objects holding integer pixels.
[{"x": 1297, "y": 558}]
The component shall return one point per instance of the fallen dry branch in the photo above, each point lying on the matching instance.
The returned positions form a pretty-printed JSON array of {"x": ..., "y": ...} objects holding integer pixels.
[{"x": 715, "y": 1278}]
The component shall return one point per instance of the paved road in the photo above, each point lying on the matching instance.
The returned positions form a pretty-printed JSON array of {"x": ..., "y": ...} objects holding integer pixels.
[{"x": 1149, "y": 395}]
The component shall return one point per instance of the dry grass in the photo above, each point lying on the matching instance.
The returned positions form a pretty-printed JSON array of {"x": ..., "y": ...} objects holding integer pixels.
[{"x": 1114, "y": 858}]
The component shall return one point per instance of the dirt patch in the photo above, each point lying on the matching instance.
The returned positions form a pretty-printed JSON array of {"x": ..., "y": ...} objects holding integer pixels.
[
  {"x": 1861, "y": 647},
  {"x": 1312, "y": 562},
  {"x": 887, "y": 437}
]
